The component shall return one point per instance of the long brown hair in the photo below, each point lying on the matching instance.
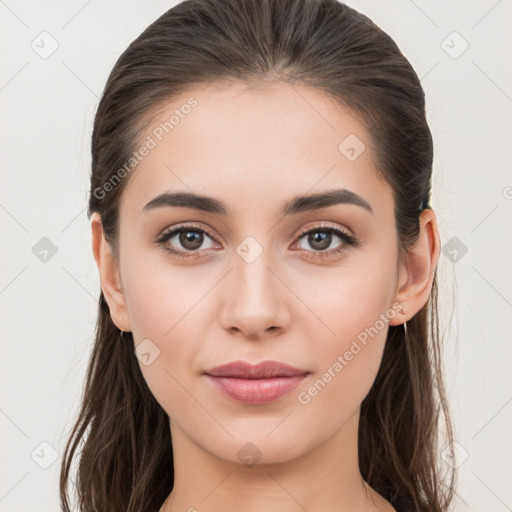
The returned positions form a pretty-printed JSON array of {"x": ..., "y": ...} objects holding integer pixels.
[{"x": 122, "y": 434}]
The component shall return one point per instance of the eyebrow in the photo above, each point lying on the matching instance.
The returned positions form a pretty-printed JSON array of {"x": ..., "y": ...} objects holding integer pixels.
[{"x": 295, "y": 205}]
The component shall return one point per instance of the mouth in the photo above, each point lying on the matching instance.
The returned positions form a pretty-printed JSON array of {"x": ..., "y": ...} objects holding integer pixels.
[{"x": 263, "y": 383}]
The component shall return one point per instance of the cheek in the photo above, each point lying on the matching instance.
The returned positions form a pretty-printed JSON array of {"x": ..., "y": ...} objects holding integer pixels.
[
  {"x": 168, "y": 309},
  {"x": 349, "y": 299},
  {"x": 354, "y": 305},
  {"x": 161, "y": 296},
  {"x": 345, "y": 364}
]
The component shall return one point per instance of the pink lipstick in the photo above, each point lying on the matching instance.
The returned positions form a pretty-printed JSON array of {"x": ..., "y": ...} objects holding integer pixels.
[{"x": 255, "y": 384}]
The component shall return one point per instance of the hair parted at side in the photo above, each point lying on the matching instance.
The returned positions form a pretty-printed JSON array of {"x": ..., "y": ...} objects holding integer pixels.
[{"x": 121, "y": 435}]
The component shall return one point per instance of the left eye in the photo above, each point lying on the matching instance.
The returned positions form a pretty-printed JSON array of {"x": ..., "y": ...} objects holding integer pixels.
[{"x": 321, "y": 239}]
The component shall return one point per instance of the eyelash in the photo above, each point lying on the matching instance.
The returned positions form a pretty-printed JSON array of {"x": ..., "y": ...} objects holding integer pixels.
[{"x": 348, "y": 240}]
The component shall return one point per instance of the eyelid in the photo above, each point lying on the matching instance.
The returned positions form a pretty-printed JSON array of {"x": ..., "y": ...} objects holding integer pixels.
[
  {"x": 318, "y": 227},
  {"x": 186, "y": 225},
  {"x": 305, "y": 230}
]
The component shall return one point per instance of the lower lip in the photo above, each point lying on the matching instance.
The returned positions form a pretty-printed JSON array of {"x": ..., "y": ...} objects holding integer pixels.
[{"x": 256, "y": 391}]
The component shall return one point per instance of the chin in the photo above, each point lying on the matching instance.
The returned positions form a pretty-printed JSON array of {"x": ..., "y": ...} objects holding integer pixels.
[{"x": 257, "y": 448}]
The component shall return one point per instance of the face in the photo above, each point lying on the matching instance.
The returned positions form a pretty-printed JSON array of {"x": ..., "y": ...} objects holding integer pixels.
[{"x": 313, "y": 288}]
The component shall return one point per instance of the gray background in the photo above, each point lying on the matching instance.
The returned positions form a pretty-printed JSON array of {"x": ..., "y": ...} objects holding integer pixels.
[{"x": 49, "y": 299}]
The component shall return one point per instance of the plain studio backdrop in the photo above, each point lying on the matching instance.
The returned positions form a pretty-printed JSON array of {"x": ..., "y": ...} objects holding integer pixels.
[{"x": 56, "y": 57}]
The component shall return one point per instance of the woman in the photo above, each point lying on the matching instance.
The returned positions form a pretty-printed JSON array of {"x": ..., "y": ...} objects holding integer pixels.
[{"x": 267, "y": 335}]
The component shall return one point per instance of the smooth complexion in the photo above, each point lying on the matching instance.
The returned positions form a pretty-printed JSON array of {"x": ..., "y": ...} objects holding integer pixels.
[{"x": 299, "y": 302}]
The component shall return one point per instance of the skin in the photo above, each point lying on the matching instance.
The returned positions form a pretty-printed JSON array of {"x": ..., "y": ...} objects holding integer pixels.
[{"x": 254, "y": 149}]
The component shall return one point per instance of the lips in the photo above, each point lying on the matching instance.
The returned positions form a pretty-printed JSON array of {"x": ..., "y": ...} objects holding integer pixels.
[
  {"x": 263, "y": 370},
  {"x": 255, "y": 384}
]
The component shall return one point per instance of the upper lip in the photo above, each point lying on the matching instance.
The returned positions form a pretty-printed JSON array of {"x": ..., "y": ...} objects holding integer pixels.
[{"x": 265, "y": 369}]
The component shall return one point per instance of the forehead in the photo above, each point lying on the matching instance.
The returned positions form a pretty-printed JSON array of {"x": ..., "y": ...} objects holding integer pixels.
[{"x": 252, "y": 146}]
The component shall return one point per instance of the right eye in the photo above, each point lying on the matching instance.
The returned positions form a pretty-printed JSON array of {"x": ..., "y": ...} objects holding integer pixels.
[{"x": 190, "y": 237}]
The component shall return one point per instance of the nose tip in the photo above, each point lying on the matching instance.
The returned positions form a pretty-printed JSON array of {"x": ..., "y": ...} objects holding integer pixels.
[{"x": 257, "y": 304}]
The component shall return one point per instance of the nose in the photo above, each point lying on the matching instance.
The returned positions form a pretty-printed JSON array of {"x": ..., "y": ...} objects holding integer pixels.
[{"x": 255, "y": 304}]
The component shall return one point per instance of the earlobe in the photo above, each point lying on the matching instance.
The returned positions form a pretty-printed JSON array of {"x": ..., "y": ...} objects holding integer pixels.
[
  {"x": 109, "y": 275},
  {"x": 418, "y": 270}
]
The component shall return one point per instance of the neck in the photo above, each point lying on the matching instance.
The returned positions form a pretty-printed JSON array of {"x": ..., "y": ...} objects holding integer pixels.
[{"x": 325, "y": 478}]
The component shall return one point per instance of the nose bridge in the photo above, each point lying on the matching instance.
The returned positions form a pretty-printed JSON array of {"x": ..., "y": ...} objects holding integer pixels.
[
  {"x": 252, "y": 276},
  {"x": 255, "y": 296}
]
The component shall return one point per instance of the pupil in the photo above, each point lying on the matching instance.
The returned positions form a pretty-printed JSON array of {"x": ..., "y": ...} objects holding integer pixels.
[
  {"x": 191, "y": 240},
  {"x": 321, "y": 240}
]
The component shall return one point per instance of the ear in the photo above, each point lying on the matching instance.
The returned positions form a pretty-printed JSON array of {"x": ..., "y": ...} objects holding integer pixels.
[
  {"x": 109, "y": 275},
  {"x": 416, "y": 272}
]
